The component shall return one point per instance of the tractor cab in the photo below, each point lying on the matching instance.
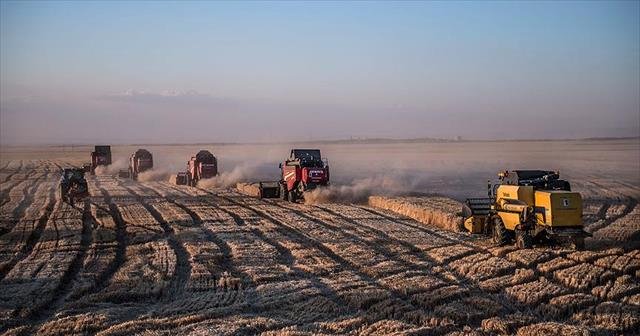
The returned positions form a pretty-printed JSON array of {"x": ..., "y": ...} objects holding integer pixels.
[
  {"x": 538, "y": 179},
  {"x": 72, "y": 174},
  {"x": 310, "y": 158}
]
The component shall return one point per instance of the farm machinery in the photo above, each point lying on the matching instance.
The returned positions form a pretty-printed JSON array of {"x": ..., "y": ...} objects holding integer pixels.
[
  {"x": 527, "y": 205},
  {"x": 139, "y": 162},
  {"x": 304, "y": 170},
  {"x": 201, "y": 166},
  {"x": 182, "y": 178},
  {"x": 73, "y": 185},
  {"x": 101, "y": 156}
]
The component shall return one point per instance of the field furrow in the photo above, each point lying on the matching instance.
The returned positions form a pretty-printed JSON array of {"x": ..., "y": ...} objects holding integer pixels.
[{"x": 160, "y": 259}]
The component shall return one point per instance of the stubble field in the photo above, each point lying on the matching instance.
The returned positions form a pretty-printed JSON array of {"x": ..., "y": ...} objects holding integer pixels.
[{"x": 150, "y": 257}]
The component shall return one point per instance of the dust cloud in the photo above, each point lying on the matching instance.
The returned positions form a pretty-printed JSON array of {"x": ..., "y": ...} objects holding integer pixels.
[
  {"x": 240, "y": 173},
  {"x": 113, "y": 168},
  {"x": 154, "y": 175},
  {"x": 356, "y": 192},
  {"x": 454, "y": 169}
]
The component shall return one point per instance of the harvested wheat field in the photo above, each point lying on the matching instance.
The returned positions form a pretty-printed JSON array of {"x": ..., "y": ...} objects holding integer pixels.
[{"x": 155, "y": 258}]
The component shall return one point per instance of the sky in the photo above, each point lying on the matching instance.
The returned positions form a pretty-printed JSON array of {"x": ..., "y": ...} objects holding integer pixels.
[{"x": 184, "y": 72}]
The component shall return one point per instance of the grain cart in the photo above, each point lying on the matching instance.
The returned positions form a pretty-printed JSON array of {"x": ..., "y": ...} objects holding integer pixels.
[
  {"x": 526, "y": 205},
  {"x": 201, "y": 166},
  {"x": 73, "y": 185},
  {"x": 101, "y": 156},
  {"x": 139, "y": 162},
  {"x": 304, "y": 170}
]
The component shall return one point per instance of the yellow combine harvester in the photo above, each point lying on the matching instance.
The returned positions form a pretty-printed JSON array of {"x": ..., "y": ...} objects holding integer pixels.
[{"x": 527, "y": 205}]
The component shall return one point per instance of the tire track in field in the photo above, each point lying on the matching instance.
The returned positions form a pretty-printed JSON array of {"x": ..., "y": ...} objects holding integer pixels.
[
  {"x": 285, "y": 257},
  {"x": 28, "y": 196},
  {"x": 35, "y": 234},
  {"x": 481, "y": 250},
  {"x": 120, "y": 256},
  {"x": 226, "y": 264},
  {"x": 549, "y": 276},
  {"x": 5, "y": 166},
  {"x": 629, "y": 204},
  {"x": 62, "y": 291},
  {"x": 403, "y": 302},
  {"x": 5, "y": 196},
  {"x": 183, "y": 266},
  {"x": 408, "y": 248}
]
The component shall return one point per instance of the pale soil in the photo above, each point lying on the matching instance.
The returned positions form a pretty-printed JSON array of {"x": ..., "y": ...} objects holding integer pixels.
[{"x": 154, "y": 258}]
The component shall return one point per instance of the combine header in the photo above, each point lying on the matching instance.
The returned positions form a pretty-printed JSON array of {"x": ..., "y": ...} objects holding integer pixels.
[
  {"x": 305, "y": 169},
  {"x": 101, "y": 156},
  {"x": 525, "y": 205}
]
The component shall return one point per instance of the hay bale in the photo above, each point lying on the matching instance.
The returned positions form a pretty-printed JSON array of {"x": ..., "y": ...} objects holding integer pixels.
[
  {"x": 250, "y": 189},
  {"x": 438, "y": 211}
]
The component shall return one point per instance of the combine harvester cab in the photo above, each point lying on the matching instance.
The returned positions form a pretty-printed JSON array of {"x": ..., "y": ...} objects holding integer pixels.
[
  {"x": 73, "y": 185},
  {"x": 304, "y": 170},
  {"x": 527, "y": 205},
  {"x": 101, "y": 156},
  {"x": 139, "y": 162},
  {"x": 201, "y": 166}
]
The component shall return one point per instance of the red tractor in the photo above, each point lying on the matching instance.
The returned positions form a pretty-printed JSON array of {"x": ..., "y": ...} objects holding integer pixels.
[
  {"x": 101, "y": 156},
  {"x": 202, "y": 166},
  {"x": 140, "y": 161},
  {"x": 304, "y": 170}
]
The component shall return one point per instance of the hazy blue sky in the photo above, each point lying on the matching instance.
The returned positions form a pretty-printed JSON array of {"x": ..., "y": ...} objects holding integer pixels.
[{"x": 255, "y": 71}]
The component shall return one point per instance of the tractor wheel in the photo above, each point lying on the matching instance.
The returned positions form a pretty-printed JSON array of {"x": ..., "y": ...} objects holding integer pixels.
[
  {"x": 500, "y": 233},
  {"x": 578, "y": 243},
  {"x": 293, "y": 197},
  {"x": 524, "y": 240},
  {"x": 283, "y": 192}
]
